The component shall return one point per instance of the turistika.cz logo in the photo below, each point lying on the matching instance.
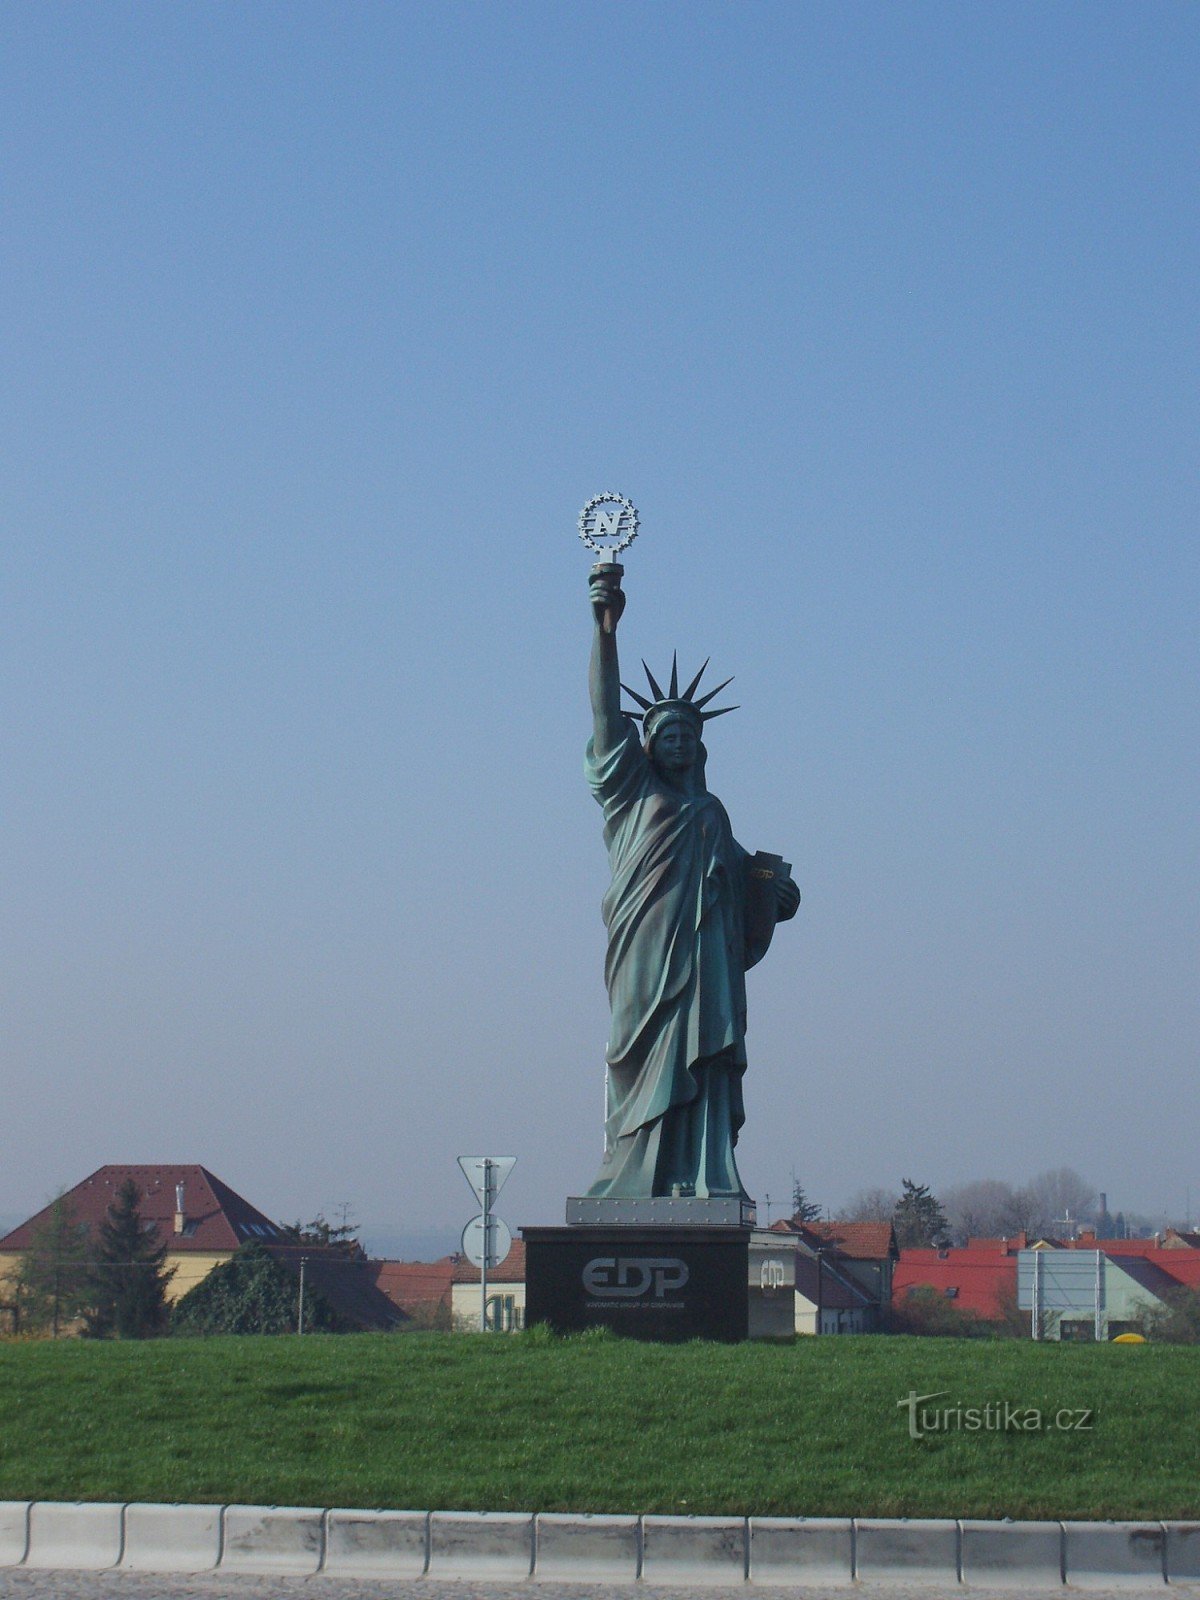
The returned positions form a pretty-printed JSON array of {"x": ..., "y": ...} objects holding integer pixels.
[{"x": 997, "y": 1416}]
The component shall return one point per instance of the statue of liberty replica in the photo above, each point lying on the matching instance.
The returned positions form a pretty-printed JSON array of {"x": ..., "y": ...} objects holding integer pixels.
[{"x": 688, "y": 911}]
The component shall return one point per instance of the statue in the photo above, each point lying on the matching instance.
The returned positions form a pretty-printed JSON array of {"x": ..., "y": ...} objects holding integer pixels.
[{"x": 688, "y": 911}]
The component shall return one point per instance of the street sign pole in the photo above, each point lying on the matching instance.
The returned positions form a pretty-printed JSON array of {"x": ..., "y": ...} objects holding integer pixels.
[{"x": 487, "y": 1242}]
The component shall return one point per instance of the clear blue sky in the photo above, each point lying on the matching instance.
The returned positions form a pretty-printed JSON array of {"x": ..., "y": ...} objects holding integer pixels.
[{"x": 322, "y": 321}]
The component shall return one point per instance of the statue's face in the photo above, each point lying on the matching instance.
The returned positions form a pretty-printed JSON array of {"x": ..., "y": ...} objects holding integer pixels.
[{"x": 676, "y": 746}]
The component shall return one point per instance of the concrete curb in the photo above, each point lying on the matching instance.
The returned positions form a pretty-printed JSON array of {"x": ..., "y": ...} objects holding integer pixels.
[
  {"x": 1114, "y": 1555},
  {"x": 273, "y": 1539},
  {"x": 695, "y": 1552},
  {"x": 165, "y": 1538},
  {"x": 14, "y": 1532},
  {"x": 1012, "y": 1555},
  {"x": 77, "y": 1535},
  {"x": 912, "y": 1549},
  {"x": 376, "y": 1544}
]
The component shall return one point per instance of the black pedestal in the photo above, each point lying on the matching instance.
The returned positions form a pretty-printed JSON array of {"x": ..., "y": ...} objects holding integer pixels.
[{"x": 661, "y": 1283}]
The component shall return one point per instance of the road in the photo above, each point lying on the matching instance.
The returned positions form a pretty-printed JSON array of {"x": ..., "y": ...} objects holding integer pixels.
[{"x": 19, "y": 1585}]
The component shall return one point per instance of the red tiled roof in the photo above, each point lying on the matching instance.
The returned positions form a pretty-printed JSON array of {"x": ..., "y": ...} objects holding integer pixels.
[
  {"x": 859, "y": 1241},
  {"x": 415, "y": 1285},
  {"x": 217, "y": 1217},
  {"x": 1146, "y": 1273},
  {"x": 1182, "y": 1265},
  {"x": 986, "y": 1281},
  {"x": 1114, "y": 1247},
  {"x": 1001, "y": 1245}
]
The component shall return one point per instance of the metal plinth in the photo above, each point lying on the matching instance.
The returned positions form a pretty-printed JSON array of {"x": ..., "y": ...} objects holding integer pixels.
[{"x": 665, "y": 1211}]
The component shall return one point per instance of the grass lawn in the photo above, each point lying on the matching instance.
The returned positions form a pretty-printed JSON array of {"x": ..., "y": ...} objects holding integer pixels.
[{"x": 600, "y": 1424}]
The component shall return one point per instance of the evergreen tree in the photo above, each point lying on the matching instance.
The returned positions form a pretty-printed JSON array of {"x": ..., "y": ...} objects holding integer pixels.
[
  {"x": 803, "y": 1209},
  {"x": 51, "y": 1290},
  {"x": 129, "y": 1279},
  {"x": 919, "y": 1220},
  {"x": 253, "y": 1292},
  {"x": 341, "y": 1237}
]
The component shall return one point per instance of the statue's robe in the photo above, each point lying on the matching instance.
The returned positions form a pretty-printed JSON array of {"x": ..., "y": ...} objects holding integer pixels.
[{"x": 676, "y": 975}]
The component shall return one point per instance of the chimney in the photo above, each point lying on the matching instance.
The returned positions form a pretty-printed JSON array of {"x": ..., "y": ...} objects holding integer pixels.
[{"x": 180, "y": 1215}]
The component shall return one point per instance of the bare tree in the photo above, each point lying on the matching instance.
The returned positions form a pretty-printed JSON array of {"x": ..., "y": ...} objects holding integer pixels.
[
  {"x": 1055, "y": 1202},
  {"x": 979, "y": 1209},
  {"x": 870, "y": 1205}
]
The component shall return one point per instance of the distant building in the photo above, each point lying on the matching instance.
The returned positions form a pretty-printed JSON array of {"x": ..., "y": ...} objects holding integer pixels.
[
  {"x": 203, "y": 1222},
  {"x": 506, "y": 1292},
  {"x": 843, "y": 1274},
  {"x": 1082, "y": 1285},
  {"x": 422, "y": 1290},
  {"x": 445, "y": 1293},
  {"x": 980, "y": 1280},
  {"x": 1081, "y": 1294}
]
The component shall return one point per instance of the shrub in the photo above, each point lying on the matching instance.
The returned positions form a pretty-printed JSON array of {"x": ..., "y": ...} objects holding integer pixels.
[{"x": 251, "y": 1293}]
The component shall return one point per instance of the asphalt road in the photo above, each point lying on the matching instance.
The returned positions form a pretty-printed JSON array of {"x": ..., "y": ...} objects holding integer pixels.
[{"x": 18, "y": 1585}]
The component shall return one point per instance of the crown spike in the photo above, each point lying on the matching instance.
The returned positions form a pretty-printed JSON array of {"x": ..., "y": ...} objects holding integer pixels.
[
  {"x": 707, "y": 716},
  {"x": 691, "y": 688},
  {"x": 712, "y": 694},
  {"x": 674, "y": 675},
  {"x": 654, "y": 689},
  {"x": 634, "y": 695}
]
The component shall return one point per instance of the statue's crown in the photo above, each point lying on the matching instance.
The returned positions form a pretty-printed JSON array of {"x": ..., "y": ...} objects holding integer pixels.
[{"x": 674, "y": 704}]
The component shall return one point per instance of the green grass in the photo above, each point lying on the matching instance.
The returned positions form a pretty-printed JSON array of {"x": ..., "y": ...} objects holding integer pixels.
[{"x": 598, "y": 1424}]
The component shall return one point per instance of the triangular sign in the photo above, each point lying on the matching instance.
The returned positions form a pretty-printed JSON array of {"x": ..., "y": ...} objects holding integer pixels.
[{"x": 497, "y": 1170}]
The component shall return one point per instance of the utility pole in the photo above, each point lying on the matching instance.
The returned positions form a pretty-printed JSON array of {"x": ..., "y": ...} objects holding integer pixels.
[{"x": 300, "y": 1312}]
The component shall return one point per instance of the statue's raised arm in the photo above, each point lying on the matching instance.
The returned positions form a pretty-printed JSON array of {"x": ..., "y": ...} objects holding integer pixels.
[{"x": 604, "y": 673}]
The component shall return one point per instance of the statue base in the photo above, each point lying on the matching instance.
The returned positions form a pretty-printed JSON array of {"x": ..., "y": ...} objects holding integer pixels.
[
  {"x": 665, "y": 1283},
  {"x": 671, "y": 1211}
]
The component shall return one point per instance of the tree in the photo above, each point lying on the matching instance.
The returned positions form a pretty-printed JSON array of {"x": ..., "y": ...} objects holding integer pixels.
[
  {"x": 129, "y": 1279},
  {"x": 981, "y": 1208},
  {"x": 252, "y": 1292},
  {"x": 870, "y": 1205},
  {"x": 919, "y": 1219},
  {"x": 341, "y": 1237},
  {"x": 1177, "y": 1320},
  {"x": 52, "y": 1287},
  {"x": 803, "y": 1209},
  {"x": 925, "y": 1312},
  {"x": 1055, "y": 1202}
]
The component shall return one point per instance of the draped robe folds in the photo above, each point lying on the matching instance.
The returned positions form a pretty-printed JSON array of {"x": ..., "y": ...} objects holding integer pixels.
[{"x": 675, "y": 970}]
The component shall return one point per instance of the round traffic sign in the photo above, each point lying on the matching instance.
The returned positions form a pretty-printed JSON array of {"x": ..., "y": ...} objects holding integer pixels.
[{"x": 496, "y": 1248}]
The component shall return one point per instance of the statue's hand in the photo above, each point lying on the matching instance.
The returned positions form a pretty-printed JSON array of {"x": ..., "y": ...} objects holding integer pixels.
[
  {"x": 787, "y": 899},
  {"x": 608, "y": 599}
]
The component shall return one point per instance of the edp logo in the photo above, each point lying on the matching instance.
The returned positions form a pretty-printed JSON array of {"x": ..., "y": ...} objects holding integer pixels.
[
  {"x": 628, "y": 1277},
  {"x": 771, "y": 1276}
]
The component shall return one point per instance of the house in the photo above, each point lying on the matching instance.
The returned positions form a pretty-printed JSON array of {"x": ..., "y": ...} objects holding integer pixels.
[
  {"x": 201, "y": 1219},
  {"x": 422, "y": 1290},
  {"x": 1081, "y": 1294},
  {"x": 203, "y": 1222},
  {"x": 506, "y": 1292},
  {"x": 979, "y": 1279},
  {"x": 859, "y": 1258},
  {"x": 827, "y": 1298}
]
